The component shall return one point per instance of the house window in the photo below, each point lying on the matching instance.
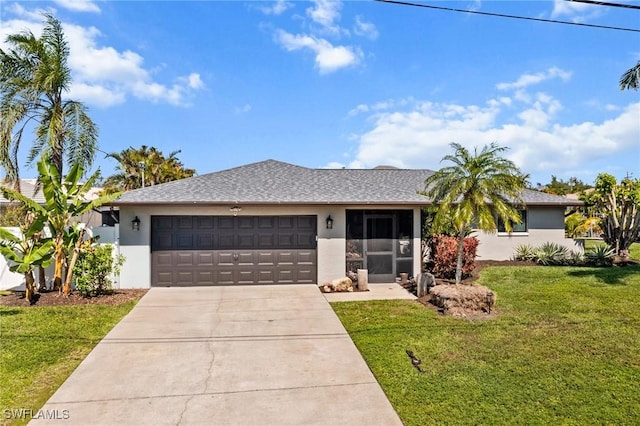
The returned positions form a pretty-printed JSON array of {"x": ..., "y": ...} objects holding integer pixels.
[{"x": 515, "y": 227}]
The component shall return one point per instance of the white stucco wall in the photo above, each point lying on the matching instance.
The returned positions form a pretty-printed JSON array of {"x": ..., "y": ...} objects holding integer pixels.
[{"x": 545, "y": 224}]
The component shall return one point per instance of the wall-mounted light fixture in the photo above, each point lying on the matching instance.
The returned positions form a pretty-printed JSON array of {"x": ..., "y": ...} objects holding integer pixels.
[
  {"x": 329, "y": 222},
  {"x": 135, "y": 223},
  {"x": 235, "y": 210}
]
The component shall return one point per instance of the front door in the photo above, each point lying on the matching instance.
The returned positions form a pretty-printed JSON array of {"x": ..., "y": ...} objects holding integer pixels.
[{"x": 378, "y": 247}]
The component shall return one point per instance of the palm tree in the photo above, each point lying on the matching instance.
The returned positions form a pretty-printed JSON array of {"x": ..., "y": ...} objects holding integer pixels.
[
  {"x": 34, "y": 77},
  {"x": 145, "y": 166},
  {"x": 478, "y": 188},
  {"x": 631, "y": 78}
]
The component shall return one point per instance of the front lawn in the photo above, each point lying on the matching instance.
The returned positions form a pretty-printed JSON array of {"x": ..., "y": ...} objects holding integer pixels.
[
  {"x": 563, "y": 349},
  {"x": 41, "y": 346}
]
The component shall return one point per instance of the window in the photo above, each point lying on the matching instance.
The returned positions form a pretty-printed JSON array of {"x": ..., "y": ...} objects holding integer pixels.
[{"x": 515, "y": 227}]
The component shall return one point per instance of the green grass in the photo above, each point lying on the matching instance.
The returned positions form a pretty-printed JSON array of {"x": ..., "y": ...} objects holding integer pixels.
[
  {"x": 564, "y": 349},
  {"x": 41, "y": 346},
  {"x": 634, "y": 250}
]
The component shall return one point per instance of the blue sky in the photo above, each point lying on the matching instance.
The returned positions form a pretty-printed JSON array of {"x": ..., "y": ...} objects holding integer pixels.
[{"x": 352, "y": 83}]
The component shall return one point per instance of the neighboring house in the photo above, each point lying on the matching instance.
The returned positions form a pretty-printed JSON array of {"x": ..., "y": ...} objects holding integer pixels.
[
  {"x": 277, "y": 223},
  {"x": 29, "y": 189}
]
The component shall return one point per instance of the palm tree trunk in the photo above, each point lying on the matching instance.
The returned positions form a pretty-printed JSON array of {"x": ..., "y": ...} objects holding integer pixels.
[{"x": 461, "y": 236}]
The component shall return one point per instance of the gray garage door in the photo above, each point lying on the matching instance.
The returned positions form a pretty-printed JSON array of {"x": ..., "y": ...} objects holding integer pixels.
[{"x": 227, "y": 250}]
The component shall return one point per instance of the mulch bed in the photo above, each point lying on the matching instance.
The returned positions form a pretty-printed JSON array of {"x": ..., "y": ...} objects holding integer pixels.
[{"x": 55, "y": 298}]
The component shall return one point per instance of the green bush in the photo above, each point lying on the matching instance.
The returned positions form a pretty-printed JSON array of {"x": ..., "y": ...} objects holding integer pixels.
[
  {"x": 599, "y": 255},
  {"x": 94, "y": 269},
  {"x": 525, "y": 252},
  {"x": 551, "y": 254}
]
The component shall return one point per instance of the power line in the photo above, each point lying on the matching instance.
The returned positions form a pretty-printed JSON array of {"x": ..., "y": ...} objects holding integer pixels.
[
  {"x": 604, "y": 3},
  {"x": 502, "y": 15}
]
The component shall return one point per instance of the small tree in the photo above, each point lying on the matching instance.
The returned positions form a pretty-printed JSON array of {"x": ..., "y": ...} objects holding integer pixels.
[
  {"x": 476, "y": 189},
  {"x": 618, "y": 205}
]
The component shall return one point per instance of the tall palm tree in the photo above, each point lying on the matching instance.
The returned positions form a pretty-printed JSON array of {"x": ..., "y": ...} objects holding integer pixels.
[
  {"x": 157, "y": 169},
  {"x": 475, "y": 190},
  {"x": 34, "y": 77},
  {"x": 631, "y": 78}
]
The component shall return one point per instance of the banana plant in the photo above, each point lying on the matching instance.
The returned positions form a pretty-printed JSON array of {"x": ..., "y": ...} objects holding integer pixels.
[
  {"x": 64, "y": 199},
  {"x": 28, "y": 250}
]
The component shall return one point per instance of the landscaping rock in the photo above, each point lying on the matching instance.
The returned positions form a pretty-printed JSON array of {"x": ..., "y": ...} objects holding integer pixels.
[
  {"x": 338, "y": 285},
  {"x": 461, "y": 299}
]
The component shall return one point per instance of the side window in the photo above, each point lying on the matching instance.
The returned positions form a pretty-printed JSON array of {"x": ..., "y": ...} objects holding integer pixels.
[{"x": 516, "y": 227}]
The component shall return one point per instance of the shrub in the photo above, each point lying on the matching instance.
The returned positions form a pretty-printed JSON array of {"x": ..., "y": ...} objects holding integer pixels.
[
  {"x": 444, "y": 254},
  {"x": 525, "y": 252},
  {"x": 94, "y": 268},
  {"x": 599, "y": 255},
  {"x": 551, "y": 254}
]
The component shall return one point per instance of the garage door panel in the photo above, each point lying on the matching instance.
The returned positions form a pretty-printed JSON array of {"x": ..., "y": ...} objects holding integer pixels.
[
  {"x": 246, "y": 241},
  {"x": 245, "y": 258},
  {"x": 307, "y": 256},
  {"x": 224, "y": 259},
  {"x": 206, "y": 259},
  {"x": 184, "y": 241},
  {"x": 184, "y": 222},
  {"x": 266, "y": 258},
  {"x": 266, "y": 276},
  {"x": 228, "y": 250},
  {"x": 286, "y": 258}
]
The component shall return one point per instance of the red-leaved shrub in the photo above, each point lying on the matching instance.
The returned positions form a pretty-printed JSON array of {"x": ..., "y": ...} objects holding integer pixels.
[{"x": 444, "y": 255}]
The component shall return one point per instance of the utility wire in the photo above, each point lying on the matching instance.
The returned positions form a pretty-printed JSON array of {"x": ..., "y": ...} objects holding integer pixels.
[
  {"x": 604, "y": 3},
  {"x": 502, "y": 15}
]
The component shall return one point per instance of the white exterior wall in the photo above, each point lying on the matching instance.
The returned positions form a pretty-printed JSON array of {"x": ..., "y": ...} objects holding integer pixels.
[
  {"x": 331, "y": 251},
  {"x": 544, "y": 224}
]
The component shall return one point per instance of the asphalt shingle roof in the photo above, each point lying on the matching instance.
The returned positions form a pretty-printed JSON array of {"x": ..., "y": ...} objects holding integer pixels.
[{"x": 275, "y": 182}]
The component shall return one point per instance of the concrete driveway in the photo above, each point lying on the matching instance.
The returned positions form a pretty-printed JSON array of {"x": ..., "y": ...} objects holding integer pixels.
[{"x": 258, "y": 355}]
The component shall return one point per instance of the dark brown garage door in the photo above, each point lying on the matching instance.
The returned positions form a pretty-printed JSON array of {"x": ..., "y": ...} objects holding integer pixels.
[{"x": 227, "y": 250}]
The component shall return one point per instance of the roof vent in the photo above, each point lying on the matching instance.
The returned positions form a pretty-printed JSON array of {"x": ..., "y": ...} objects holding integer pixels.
[{"x": 384, "y": 167}]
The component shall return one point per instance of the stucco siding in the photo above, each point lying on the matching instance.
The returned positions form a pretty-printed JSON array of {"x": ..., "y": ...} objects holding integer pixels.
[{"x": 544, "y": 224}]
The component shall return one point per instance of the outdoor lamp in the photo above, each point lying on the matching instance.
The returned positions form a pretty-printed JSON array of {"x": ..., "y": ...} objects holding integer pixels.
[
  {"x": 489, "y": 300},
  {"x": 329, "y": 222},
  {"x": 235, "y": 210},
  {"x": 135, "y": 223}
]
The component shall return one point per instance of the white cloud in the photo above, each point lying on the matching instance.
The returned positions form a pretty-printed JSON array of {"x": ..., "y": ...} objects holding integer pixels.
[
  {"x": 526, "y": 80},
  {"x": 328, "y": 57},
  {"x": 78, "y": 5},
  {"x": 321, "y": 24},
  {"x": 419, "y": 136},
  {"x": 102, "y": 75},
  {"x": 325, "y": 13},
  {"x": 576, "y": 12},
  {"x": 366, "y": 29},
  {"x": 243, "y": 109},
  {"x": 277, "y": 8}
]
